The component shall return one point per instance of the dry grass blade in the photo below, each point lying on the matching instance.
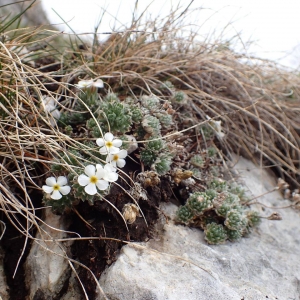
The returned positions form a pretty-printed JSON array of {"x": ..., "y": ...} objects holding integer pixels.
[{"x": 257, "y": 101}]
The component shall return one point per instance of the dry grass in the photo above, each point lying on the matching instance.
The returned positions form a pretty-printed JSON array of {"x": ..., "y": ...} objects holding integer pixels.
[
  {"x": 28, "y": 142},
  {"x": 258, "y": 102}
]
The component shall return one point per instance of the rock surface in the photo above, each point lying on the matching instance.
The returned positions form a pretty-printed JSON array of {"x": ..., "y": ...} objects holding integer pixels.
[
  {"x": 180, "y": 265},
  {"x": 46, "y": 268},
  {"x": 3, "y": 284}
]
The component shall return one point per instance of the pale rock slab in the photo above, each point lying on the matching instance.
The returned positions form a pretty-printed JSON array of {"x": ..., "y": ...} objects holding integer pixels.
[
  {"x": 46, "y": 268},
  {"x": 180, "y": 265},
  {"x": 74, "y": 290},
  {"x": 3, "y": 284}
]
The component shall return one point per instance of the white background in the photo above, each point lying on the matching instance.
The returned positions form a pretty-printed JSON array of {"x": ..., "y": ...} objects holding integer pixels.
[{"x": 273, "y": 27}]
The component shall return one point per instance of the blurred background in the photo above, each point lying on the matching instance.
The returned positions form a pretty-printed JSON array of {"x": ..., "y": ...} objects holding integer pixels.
[{"x": 257, "y": 28}]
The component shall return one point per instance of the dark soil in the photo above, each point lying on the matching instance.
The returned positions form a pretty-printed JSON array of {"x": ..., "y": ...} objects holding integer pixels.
[
  {"x": 100, "y": 220},
  {"x": 105, "y": 223},
  {"x": 108, "y": 224},
  {"x": 13, "y": 243}
]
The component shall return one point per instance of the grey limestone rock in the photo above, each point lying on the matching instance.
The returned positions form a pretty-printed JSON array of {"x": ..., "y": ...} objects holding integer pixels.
[
  {"x": 46, "y": 267},
  {"x": 180, "y": 265},
  {"x": 3, "y": 284}
]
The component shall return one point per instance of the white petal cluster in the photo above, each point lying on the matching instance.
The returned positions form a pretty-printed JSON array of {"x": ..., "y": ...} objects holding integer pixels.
[
  {"x": 50, "y": 107},
  {"x": 83, "y": 84},
  {"x": 117, "y": 159},
  {"x": 108, "y": 144},
  {"x": 97, "y": 177},
  {"x": 56, "y": 188}
]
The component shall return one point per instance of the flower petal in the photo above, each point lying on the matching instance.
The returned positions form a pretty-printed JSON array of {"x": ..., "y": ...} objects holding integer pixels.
[
  {"x": 121, "y": 162},
  {"x": 84, "y": 83},
  {"x": 108, "y": 136},
  {"x": 83, "y": 180},
  {"x": 91, "y": 189},
  {"x": 47, "y": 189},
  {"x": 122, "y": 154},
  {"x": 109, "y": 158},
  {"x": 65, "y": 190},
  {"x": 48, "y": 101},
  {"x": 100, "y": 142},
  {"x": 98, "y": 83},
  {"x": 100, "y": 173},
  {"x": 50, "y": 108},
  {"x": 56, "y": 195},
  {"x": 114, "y": 164},
  {"x": 55, "y": 114},
  {"x": 52, "y": 121},
  {"x": 99, "y": 166},
  {"x": 117, "y": 143},
  {"x": 103, "y": 150},
  {"x": 102, "y": 184},
  {"x": 113, "y": 150},
  {"x": 51, "y": 181},
  {"x": 62, "y": 180},
  {"x": 90, "y": 170},
  {"x": 111, "y": 176},
  {"x": 109, "y": 168}
]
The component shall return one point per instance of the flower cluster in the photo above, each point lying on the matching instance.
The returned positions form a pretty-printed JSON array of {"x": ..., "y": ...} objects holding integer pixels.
[
  {"x": 110, "y": 146},
  {"x": 96, "y": 177},
  {"x": 56, "y": 188}
]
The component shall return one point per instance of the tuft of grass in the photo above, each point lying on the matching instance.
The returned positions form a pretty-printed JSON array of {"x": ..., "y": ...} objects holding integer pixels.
[{"x": 151, "y": 69}]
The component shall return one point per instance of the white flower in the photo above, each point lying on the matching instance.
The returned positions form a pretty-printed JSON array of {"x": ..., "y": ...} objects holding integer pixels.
[
  {"x": 216, "y": 126},
  {"x": 82, "y": 84},
  {"x": 117, "y": 159},
  {"x": 93, "y": 179},
  {"x": 110, "y": 174},
  {"x": 50, "y": 107},
  {"x": 56, "y": 188},
  {"x": 108, "y": 144}
]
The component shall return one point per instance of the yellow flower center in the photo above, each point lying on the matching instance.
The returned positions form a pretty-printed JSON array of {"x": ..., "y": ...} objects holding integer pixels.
[
  {"x": 108, "y": 144},
  {"x": 56, "y": 187},
  {"x": 93, "y": 179},
  {"x": 115, "y": 157}
]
